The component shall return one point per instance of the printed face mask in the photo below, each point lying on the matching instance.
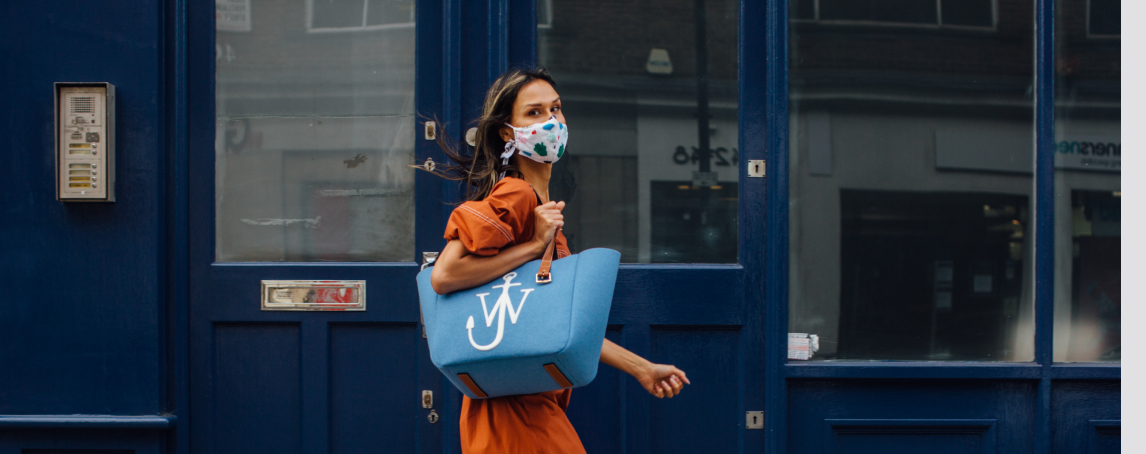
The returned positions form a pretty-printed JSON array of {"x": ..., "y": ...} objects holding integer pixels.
[{"x": 541, "y": 142}]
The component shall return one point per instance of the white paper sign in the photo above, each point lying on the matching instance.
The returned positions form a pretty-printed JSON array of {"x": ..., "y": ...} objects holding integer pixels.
[{"x": 233, "y": 15}]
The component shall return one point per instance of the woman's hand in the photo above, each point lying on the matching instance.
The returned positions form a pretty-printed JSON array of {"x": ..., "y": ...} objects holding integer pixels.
[
  {"x": 660, "y": 380},
  {"x": 663, "y": 380},
  {"x": 547, "y": 219}
]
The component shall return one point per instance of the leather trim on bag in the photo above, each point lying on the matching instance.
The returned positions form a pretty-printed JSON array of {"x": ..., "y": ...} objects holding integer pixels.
[
  {"x": 558, "y": 376},
  {"x": 473, "y": 386}
]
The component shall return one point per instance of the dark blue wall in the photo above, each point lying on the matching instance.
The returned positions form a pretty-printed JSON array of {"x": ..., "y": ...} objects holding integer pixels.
[{"x": 80, "y": 320}]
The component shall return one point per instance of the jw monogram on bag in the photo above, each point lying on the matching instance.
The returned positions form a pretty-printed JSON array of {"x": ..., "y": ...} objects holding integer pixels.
[{"x": 523, "y": 336}]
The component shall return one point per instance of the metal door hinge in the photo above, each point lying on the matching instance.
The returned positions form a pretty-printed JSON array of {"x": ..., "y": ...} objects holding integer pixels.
[
  {"x": 754, "y": 420},
  {"x": 757, "y": 168}
]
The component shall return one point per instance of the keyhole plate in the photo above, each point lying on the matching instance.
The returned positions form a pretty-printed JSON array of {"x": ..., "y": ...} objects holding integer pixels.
[
  {"x": 432, "y": 417},
  {"x": 756, "y": 168},
  {"x": 754, "y": 420}
]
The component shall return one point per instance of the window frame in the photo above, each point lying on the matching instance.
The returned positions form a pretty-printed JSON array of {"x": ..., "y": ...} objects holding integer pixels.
[
  {"x": 1043, "y": 370},
  {"x": 1042, "y": 366}
]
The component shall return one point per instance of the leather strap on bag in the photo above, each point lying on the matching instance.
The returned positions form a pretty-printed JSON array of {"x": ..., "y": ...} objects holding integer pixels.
[{"x": 543, "y": 276}]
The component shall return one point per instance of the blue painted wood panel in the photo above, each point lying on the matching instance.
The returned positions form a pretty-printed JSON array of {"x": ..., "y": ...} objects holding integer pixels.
[
  {"x": 371, "y": 382},
  {"x": 935, "y": 436},
  {"x": 596, "y": 409},
  {"x": 1106, "y": 437},
  {"x": 256, "y": 389},
  {"x": 937, "y": 414},
  {"x": 705, "y": 417},
  {"x": 1086, "y": 416},
  {"x": 82, "y": 332},
  {"x": 81, "y": 441}
]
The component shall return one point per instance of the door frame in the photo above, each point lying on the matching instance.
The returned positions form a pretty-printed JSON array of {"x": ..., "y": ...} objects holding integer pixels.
[{"x": 192, "y": 178}]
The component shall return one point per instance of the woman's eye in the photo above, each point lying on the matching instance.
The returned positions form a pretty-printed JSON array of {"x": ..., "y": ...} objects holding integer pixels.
[
  {"x": 554, "y": 108},
  {"x": 534, "y": 112}
]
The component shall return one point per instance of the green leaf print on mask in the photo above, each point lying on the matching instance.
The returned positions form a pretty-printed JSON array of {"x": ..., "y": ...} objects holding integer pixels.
[
  {"x": 560, "y": 151},
  {"x": 540, "y": 149}
]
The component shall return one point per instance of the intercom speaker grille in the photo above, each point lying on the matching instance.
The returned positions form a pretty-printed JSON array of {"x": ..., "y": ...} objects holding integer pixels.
[{"x": 82, "y": 105}]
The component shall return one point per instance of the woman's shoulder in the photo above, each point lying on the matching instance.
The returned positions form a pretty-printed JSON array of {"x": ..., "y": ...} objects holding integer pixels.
[
  {"x": 509, "y": 198},
  {"x": 513, "y": 188},
  {"x": 485, "y": 226},
  {"x": 511, "y": 194}
]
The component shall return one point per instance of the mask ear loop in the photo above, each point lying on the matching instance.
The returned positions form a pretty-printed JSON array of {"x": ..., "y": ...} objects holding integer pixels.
[{"x": 505, "y": 155}]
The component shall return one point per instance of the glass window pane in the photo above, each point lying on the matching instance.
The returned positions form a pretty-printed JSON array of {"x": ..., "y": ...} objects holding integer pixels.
[
  {"x": 1088, "y": 183},
  {"x": 802, "y": 9},
  {"x": 903, "y": 11},
  {"x": 336, "y": 13},
  {"x": 973, "y": 13},
  {"x": 651, "y": 103},
  {"x": 544, "y": 16},
  {"x": 1105, "y": 17},
  {"x": 389, "y": 12},
  {"x": 910, "y": 181},
  {"x": 314, "y": 134}
]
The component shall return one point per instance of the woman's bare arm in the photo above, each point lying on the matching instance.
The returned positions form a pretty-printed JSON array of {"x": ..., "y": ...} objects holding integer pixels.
[
  {"x": 457, "y": 269},
  {"x": 660, "y": 380}
]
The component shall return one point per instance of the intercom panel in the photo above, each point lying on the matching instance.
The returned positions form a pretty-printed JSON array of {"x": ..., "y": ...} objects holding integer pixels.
[{"x": 85, "y": 142}]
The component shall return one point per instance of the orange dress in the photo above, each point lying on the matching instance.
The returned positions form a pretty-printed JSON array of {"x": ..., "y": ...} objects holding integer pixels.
[{"x": 531, "y": 423}]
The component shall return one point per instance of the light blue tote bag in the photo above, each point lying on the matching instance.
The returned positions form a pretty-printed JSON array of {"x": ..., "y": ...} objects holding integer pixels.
[{"x": 527, "y": 331}]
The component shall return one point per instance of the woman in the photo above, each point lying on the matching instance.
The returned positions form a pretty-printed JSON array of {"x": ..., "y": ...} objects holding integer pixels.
[{"x": 509, "y": 221}]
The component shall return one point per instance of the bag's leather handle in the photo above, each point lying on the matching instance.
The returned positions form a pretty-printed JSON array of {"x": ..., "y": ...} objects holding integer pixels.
[{"x": 543, "y": 276}]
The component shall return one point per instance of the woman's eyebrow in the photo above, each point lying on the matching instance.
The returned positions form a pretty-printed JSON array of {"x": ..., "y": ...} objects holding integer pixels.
[{"x": 538, "y": 104}]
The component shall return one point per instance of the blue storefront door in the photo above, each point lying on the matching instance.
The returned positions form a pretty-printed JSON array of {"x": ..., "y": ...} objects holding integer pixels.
[{"x": 299, "y": 172}]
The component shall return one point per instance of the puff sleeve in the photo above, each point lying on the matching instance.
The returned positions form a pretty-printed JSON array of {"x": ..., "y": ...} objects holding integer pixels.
[{"x": 502, "y": 219}]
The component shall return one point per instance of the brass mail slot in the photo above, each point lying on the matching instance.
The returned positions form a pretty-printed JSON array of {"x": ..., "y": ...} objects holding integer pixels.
[{"x": 314, "y": 295}]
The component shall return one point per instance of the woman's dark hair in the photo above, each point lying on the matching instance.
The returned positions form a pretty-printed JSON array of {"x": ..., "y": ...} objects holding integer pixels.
[{"x": 481, "y": 168}]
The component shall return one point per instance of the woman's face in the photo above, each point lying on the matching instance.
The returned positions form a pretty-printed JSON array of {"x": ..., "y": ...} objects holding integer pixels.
[{"x": 536, "y": 102}]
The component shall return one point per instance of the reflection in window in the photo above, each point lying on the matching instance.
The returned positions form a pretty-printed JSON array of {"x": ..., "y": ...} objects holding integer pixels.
[
  {"x": 346, "y": 15},
  {"x": 650, "y": 93},
  {"x": 1104, "y": 18},
  {"x": 544, "y": 13},
  {"x": 910, "y": 180},
  {"x": 314, "y": 133},
  {"x": 966, "y": 13},
  {"x": 929, "y": 274},
  {"x": 1088, "y": 181}
]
